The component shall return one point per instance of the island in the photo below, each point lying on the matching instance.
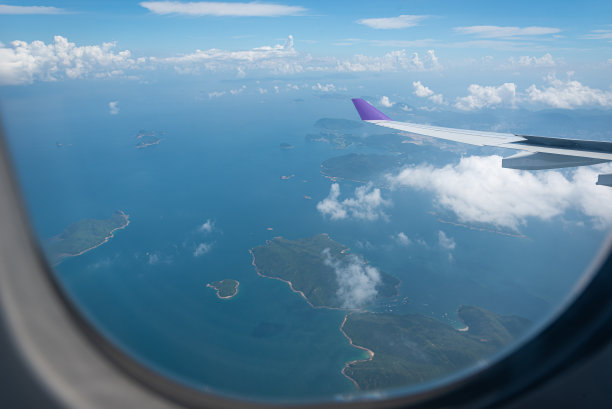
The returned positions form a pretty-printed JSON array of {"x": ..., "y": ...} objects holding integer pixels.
[
  {"x": 411, "y": 348},
  {"x": 83, "y": 236},
  {"x": 360, "y": 167},
  {"x": 148, "y": 138},
  {"x": 287, "y": 177},
  {"x": 286, "y": 146},
  {"x": 226, "y": 288},
  {"x": 307, "y": 266}
]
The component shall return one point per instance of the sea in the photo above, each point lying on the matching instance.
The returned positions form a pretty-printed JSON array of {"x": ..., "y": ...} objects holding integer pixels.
[{"x": 220, "y": 160}]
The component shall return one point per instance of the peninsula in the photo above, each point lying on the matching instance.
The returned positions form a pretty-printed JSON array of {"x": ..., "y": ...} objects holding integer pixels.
[
  {"x": 411, "y": 348},
  {"x": 304, "y": 264},
  {"x": 83, "y": 236},
  {"x": 226, "y": 289}
]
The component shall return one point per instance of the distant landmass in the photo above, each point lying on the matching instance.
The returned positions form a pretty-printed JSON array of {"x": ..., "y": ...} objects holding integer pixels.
[
  {"x": 83, "y": 236},
  {"x": 302, "y": 264},
  {"x": 411, "y": 348},
  {"x": 337, "y": 124},
  {"x": 147, "y": 138},
  {"x": 360, "y": 167},
  {"x": 286, "y": 146},
  {"x": 226, "y": 288}
]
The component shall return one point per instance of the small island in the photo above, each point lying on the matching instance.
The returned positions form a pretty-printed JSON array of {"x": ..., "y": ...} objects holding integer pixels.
[
  {"x": 226, "y": 288},
  {"x": 286, "y": 146},
  {"x": 411, "y": 348},
  {"x": 337, "y": 124},
  {"x": 308, "y": 266},
  {"x": 147, "y": 138},
  {"x": 83, "y": 236}
]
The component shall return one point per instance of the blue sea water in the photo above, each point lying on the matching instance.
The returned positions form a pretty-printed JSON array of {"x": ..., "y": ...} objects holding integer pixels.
[{"x": 220, "y": 159}]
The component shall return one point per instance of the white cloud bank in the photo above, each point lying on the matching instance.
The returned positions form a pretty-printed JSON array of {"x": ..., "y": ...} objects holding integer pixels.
[
  {"x": 14, "y": 10},
  {"x": 23, "y": 63},
  {"x": 402, "y": 239},
  {"x": 356, "y": 280},
  {"x": 367, "y": 204},
  {"x": 487, "y": 97},
  {"x": 479, "y": 190},
  {"x": 387, "y": 23},
  {"x": 569, "y": 94},
  {"x": 213, "y": 8},
  {"x": 422, "y": 91},
  {"x": 506, "y": 31},
  {"x": 386, "y": 102},
  {"x": 113, "y": 107},
  {"x": 546, "y": 60}
]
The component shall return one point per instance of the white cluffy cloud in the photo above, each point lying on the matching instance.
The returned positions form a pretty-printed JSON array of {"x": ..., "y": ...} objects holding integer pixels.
[
  {"x": 487, "y": 96},
  {"x": 507, "y": 32},
  {"x": 23, "y": 63},
  {"x": 356, "y": 280},
  {"x": 202, "y": 249},
  {"x": 446, "y": 242},
  {"x": 402, "y": 239},
  {"x": 367, "y": 204},
  {"x": 569, "y": 94},
  {"x": 213, "y": 8},
  {"x": 387, "y": 23},
  {"x": 113, "y": 107},
  {"x": 422, "y": 91},
  {"x": 324, "y": 88},
  {"x": 386, "y": 102},
  {"x": 478, "y": 189},
  {"x": 8, "y": 9},
  {"x": 207, "y": 226},
  {"x": 546, "y": 60},
  {"x": 398, "y": 60}
]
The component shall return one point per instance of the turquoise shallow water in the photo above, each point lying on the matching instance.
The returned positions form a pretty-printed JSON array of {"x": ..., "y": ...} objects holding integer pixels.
[{"x": 221, "y": 161}]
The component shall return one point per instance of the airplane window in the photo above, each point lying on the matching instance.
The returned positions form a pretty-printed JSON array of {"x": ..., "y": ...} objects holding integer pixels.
[{"x": 306, "y": 201}]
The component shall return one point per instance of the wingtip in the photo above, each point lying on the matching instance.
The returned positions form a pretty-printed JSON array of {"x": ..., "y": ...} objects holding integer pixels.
[{"x": 367, "y": 112}]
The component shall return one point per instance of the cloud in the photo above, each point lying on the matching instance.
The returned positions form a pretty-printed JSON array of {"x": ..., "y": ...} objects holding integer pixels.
[
  {"x": 356, "y": 280},
  {"x": 446, "y": 242},
  {"x": 324, "y": 88},
  {"x": 113, "y": 107},
  {"x": 479, "y": 190},
  {"x": 367, "y": 204},
  {"x": 153, "y": 258},
  {"x": 216, "y": 94},
  {"x": 487, "y": 96},
  {"x": 506, "y": 32},
  {"x": 386, "y": 102},
  {"x": 402, "y": 239},
  {"x": 23, "y": 63},
  {"x": 526, "y": 61},
  {"x": 7, "y": 9},
  {"x": 207, "y": 227},
  {"x": 388, "y": 23},
  {"x": 422, "y": 91},
  {"x": 393, "y": 61},
  {"x": 599, "y": 35},
  {"x": 237, "y": 90},
  {"x": 202, "y": 249},
  {"x": 568, "y": 95},
  {"x": 262, "y": 90},
  {"x": 210, "y": 8},
  {"x": 278, "y": 59}
]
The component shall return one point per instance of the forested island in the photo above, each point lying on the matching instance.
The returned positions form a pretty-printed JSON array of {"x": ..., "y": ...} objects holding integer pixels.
[
  {"x": 412, "y": 348},
  {"x": 305, "y": 264},
  {"x": 83, "y": 236},
  {"x": 226, "y": 288}
]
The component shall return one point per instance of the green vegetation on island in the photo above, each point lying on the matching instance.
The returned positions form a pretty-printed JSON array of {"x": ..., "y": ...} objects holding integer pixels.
[
  {"x": 226, "y": 288},
  {"x": 83, "y": 236},
  {"x": 358, "y": 167},
  {"x": 308, "y": 264},
  {"x": 413, "y": 348}
]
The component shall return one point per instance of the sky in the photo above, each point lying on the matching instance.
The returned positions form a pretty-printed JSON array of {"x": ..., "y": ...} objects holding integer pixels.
[{"x": 469, "y": 55}]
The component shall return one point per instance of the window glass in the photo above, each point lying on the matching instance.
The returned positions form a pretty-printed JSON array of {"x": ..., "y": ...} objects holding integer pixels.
[{"x": 207, "y": 195}]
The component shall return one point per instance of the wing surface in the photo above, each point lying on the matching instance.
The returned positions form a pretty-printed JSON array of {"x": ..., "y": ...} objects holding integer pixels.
[{"x": 538, "y": 152}]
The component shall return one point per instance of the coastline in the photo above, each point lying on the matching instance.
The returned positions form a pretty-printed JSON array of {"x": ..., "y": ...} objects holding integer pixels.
[
  {"x": 110, "y": 235},
  {"x": 348, "y": 364},
  {"x": 227, "y": 297}
]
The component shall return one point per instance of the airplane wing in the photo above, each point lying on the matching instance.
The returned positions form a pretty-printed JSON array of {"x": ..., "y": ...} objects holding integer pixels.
[{"x": 538, "y": 152}]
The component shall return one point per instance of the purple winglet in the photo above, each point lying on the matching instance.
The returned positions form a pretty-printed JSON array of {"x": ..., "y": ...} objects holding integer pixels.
[{"x": 367, "y": 112}]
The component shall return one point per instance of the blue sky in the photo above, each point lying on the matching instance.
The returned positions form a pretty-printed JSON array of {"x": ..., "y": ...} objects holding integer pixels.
[{"x": 442, "y": 47}]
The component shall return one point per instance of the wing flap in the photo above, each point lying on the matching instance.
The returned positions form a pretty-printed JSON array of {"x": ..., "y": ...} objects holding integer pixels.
[{"x": 540, "y": 160}]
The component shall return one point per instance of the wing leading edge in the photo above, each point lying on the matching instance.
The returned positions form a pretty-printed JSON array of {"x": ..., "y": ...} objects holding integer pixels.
[{"x": 538, "y": 152}]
